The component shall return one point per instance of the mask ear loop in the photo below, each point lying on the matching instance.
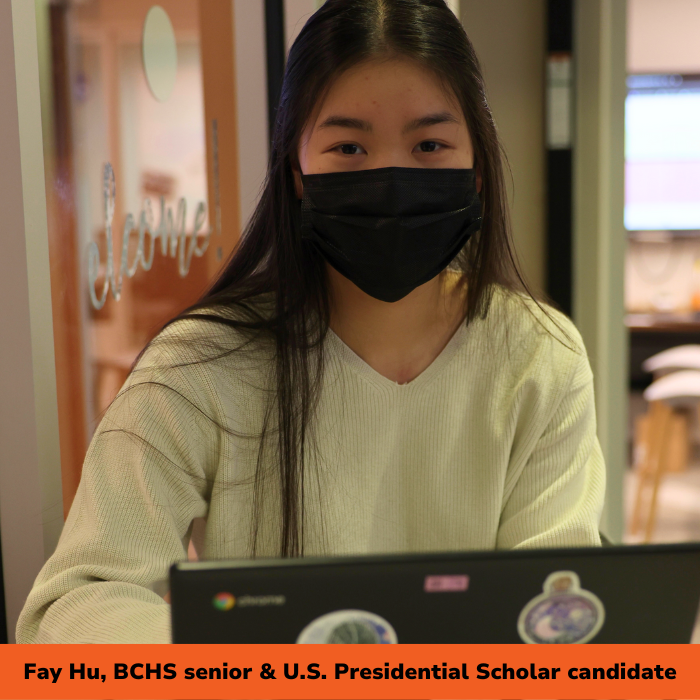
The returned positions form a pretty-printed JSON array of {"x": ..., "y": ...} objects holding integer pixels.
[
  {"x": 301, "y": 216},
  {"x": 296, "y": 216}
]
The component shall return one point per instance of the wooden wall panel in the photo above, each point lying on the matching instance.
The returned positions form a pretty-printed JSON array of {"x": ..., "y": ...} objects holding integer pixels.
[
  {"x": 64, "y": 258},
  {"x": 219, "y": 76}
]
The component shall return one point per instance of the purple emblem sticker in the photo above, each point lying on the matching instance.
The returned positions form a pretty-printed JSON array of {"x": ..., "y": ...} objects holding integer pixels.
[{"x": 564, "y": 613}]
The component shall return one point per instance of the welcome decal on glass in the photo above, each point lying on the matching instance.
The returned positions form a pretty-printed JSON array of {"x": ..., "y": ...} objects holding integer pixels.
[{"x": 174, "y": 241}]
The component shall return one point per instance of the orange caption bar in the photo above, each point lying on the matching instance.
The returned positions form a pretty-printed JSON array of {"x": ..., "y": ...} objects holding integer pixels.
[{"x": 405, "y": 671}]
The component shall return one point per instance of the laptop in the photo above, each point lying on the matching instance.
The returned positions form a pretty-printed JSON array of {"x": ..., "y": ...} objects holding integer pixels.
[{"x": 641, "y": 594}]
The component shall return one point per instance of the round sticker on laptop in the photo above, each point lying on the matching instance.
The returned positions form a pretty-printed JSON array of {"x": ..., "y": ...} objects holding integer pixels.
[
  {"x": 564, "y": 613},
  {"x": 348, "y": 627}
]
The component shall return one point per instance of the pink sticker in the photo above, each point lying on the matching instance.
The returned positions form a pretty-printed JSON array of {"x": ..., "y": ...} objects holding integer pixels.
[{"x": 443, "y": 584}]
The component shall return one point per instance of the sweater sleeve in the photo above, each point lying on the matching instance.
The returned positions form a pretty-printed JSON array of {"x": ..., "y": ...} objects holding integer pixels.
[
  {"x": 557, "y": 499},
  {"x": 145, "y": 478}
]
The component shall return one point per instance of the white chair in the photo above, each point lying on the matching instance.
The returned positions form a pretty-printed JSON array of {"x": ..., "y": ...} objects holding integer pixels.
[{"x": 673, "y": 359}]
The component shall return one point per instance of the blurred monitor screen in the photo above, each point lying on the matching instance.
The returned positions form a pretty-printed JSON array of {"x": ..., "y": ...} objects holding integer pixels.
[{"x": 662, "y": 153}]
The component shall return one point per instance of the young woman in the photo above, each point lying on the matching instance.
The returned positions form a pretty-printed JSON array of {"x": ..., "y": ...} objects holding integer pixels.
[{"x": 369, "y": 372}]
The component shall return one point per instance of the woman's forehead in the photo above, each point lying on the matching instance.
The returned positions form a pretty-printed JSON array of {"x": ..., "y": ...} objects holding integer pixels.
[{"x": 390, "y": 89}]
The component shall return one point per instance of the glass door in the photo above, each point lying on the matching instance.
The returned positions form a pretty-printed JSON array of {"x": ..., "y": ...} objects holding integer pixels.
[{"x": 142, "y": 186}]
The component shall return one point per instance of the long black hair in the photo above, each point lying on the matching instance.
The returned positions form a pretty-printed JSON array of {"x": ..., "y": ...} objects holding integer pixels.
[{"x": 274, "y": 287}]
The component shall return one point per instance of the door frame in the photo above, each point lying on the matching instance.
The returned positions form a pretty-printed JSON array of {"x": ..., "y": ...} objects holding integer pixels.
[
  {"x": 31, "y": 510},
  {"x": 599, "y": 238}
]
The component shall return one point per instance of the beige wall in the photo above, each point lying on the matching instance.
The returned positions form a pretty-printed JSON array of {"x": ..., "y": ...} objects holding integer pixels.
[
  {"x": 663, "y": 36},
  {"x": 296, "y": 12},
  {"x": 509, "y": 38},
  {"x": 251, "y": 97}
]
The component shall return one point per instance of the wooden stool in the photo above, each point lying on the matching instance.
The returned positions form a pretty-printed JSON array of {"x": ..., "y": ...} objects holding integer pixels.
[
  {"x": 661, "y": 441},
  {"x": 660, "y": 447}
]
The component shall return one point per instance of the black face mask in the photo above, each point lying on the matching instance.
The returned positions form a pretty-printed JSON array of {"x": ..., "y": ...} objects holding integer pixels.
[{"x": 390, "y": 230}]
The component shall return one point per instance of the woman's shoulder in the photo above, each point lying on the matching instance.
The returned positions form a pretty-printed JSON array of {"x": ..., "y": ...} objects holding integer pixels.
[
  {"x": 533, "y": 319},
  {"x": 205, "y": 355},
  {"x": 526, "y": 310},
  {"x": 531, "y": 336},
  {"x": 208, "y": 335}
]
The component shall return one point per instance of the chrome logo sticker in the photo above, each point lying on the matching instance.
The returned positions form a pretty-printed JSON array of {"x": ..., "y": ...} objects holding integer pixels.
[
  {"x": 564, "y": 613},
  {"x": 348, "y": 627},
  {"x": 224, "y": 601}
]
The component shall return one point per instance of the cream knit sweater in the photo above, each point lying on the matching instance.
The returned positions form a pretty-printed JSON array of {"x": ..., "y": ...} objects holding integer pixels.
[{"x": 493, "y": 446}]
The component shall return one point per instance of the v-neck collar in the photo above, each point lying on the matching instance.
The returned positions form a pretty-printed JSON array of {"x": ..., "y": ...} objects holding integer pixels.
[{"x": 353, "y": 360}]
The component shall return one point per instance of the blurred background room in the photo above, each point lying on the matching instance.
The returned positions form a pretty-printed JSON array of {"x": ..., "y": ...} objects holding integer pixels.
[{"x": 662, "y": 269}]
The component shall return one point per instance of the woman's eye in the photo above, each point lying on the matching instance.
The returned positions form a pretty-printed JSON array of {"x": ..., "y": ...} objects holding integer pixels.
[
  {"x": 428, "y": 146},
  {"x": 350, "y": 149}
]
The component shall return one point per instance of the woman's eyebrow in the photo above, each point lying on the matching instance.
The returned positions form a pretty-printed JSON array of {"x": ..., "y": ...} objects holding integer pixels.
[
  {"x": 362, "y": 125},
  {"x": 346, "y": 122},
  {"x": 430, "y": 120}
]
